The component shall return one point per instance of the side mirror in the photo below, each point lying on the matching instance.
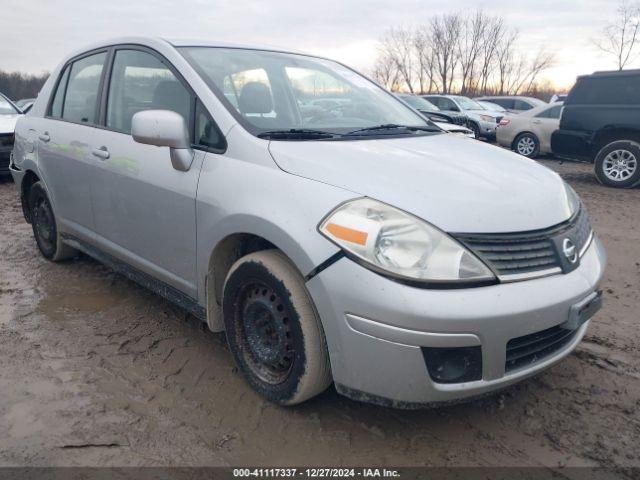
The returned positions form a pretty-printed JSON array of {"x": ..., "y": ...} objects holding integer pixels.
[{"x": 164, "y": 128}]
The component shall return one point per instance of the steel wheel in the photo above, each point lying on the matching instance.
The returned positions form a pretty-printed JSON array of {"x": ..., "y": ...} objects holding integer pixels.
[
  {"x": 265, "y": 336},
  {"x": 619, "y": 165},
  {"x": 44, "y": 224}
]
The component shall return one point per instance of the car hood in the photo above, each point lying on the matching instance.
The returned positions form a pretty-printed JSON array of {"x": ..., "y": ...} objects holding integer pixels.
[
  {"x": 8, "y": 123},
  {"x": 448, "y": 127},
  {"x": 457, "y": 184}
]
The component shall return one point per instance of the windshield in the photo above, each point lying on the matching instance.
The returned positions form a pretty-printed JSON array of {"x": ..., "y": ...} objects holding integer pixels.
[
  {"x": 270, "y": 91},
  {"x": 419, "y": 103},
  {"x": 468, "y": 104},
  {"x": 6, "y": 108}
]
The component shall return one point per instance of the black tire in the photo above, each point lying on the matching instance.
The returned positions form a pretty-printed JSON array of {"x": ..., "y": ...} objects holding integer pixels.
[
  {"x": 273, "y": 329},
  {"x": 45, "y": 228},
  {"x": 527, "y": 145},
  {"x": 617, "y": 164},
  {"x": 475, "y": 129}
]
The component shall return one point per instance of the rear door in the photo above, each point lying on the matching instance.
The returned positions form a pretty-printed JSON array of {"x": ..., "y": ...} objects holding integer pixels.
[
  {"x": 145, "y": 209},
  {"x": 544, "y": 124},
  {"x": 65, "y": 137}
]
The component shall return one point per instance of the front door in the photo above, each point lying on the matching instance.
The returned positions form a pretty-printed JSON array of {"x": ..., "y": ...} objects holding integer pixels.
[{"x": 144, "y": 209}]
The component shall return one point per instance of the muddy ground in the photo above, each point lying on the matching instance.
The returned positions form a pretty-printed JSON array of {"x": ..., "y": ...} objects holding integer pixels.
[{"x": 95, "y": 370}]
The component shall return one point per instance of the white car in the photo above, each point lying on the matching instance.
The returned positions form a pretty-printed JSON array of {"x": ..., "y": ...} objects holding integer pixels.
[
  {"x": 457, "y": 129},
  {"x": 8, "y": 117}
]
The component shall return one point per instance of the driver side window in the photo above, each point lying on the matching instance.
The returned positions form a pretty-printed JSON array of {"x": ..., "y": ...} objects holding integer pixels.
[{"x": 140, "y": 81}]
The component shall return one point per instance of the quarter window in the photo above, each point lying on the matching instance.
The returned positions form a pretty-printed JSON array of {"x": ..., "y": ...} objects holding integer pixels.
[
  {"x": 207, "y": 133},
  {"x": 81, "y": 98},
  {"x": 58, "y": 99},
  {"x": 140, "y": 81}
]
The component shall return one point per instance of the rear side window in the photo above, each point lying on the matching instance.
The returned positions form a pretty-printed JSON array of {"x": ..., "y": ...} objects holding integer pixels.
[
  {"x": 622, "y": 90},
  {"x": 81, "y": 98},
  {"x": 58, "y": 99},
  {"x": 553, "y": 112},
  {"x": 521, "y": 105},
  {"x": 507, "y": 103},
  {"x": 140, "y": 81}
]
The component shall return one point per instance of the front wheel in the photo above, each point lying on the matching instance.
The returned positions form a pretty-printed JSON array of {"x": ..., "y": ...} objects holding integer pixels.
[
  {"x": 273, "y": 330},
  {"x": 45, "y": 228},
  {"x": 475, "y": 129},
  {"x": 617, "y": 164},
  {"x": 527, "y": 145}
]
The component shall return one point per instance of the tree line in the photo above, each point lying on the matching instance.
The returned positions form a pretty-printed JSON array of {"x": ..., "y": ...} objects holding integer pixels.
[
  {"x": 471, "y": 54},
  {"x": 16, "y": 85}
]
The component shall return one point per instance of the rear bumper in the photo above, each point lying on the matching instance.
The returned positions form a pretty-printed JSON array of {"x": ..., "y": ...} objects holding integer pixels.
[
  {"x": 572, "y": 144},
  {"x": 375, "y": 329}
]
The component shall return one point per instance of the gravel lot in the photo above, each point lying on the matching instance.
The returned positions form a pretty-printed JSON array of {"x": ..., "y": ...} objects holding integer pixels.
[{"x": 97, "y": 371}]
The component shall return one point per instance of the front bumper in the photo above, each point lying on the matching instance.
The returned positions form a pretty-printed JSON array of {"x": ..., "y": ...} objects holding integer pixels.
[
  {"x": 375, "y": 328},
  {"x": 488, "y": 129}
]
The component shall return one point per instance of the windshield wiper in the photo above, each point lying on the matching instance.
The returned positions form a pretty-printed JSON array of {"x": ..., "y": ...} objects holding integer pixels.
[
  {"x": 296, "y": 134},
  {"x": 392, "y": 126}
]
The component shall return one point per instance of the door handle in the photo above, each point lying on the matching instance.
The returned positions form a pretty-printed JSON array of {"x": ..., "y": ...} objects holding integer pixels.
[
  {"x": 44, "y": 137},
  {"x": 101, "y": 153},
  {"x": 537, "y": 122}
]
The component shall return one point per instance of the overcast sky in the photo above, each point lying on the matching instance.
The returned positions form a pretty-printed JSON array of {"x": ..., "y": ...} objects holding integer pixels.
[{"x": 35, "y": 34}]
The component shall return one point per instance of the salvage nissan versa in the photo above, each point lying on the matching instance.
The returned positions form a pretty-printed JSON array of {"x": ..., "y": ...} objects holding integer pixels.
[{"x": 347, "y": 241}]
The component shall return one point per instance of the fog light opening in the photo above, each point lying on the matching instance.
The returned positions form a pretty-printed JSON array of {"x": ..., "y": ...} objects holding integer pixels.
[{"x": 453, "y": 365}]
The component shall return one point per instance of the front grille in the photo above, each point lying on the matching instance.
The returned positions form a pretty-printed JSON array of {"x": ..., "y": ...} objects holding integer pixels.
[
  {"x": 525, "y": 253},
  {"x": 460, "y": 120},
  {"x": 6, "y": 145},
  {"x": 530, "y": 349}
]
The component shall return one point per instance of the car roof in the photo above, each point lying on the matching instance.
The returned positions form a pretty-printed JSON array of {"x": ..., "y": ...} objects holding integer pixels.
[
  {"x": 154, "y": 41},
  {"x": 612, "y": 73}
]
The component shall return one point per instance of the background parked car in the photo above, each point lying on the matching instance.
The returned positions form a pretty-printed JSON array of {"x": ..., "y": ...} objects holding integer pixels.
[
  {"x": 494, "y": 107},
  {"x": 558, "y": 97},
  {"x": 514, "y": 104},
  {"x": 529, "y": 133},
  {"x": 482, "y": 121},
  {"x": 9, "y": 114},
  {"x": 600, "y": 123},
  {"x": 432, "y": 112},
  {"x": 25, "y": 104}
]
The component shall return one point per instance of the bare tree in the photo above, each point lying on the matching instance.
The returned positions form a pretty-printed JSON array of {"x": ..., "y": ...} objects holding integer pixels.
[
  {"x": 621, "y": 37},
  {"x": 444, "y": 36},
  {"x": 471, "y": 44},
  {"x": 425, "y": 59},
  {"x": 385, "y": 72},
  {"x": 397, "y": 46}
]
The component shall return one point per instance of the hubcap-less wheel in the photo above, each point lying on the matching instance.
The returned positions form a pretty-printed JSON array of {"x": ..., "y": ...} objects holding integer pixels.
[
  {"x": 619, "y": 165},
  {"x": 265, "y": 334},
  {"x": 526, "y": 146},
  {"x": 44, "y": 223}
]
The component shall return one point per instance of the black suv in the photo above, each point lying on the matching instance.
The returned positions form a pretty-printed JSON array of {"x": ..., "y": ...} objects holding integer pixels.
[{"x": 600, "y": 123}]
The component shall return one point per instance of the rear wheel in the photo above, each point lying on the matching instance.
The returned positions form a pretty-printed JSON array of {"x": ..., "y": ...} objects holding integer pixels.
[
  {"x": 45, "y": 229},
  {"x": 273, "y": 330},
  {"x": 527, "y": 145},
  {"x": 618, "y": 164}
]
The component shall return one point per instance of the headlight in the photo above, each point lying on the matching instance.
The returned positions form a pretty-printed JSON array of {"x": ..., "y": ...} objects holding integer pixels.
[
  {"x": 572, "y": 199},
  {"x": 394, "y": 242},
  {"x": 487, "y": 118}
]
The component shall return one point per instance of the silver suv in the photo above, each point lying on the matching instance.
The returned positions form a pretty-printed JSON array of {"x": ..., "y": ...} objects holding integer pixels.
[{"x": 347, "y": 241}]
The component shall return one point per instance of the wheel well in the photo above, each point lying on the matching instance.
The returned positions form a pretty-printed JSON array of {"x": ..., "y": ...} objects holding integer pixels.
[
  {"x": 27, "y": 182},
  {"x": 606, "y": 136},
  {"x": 224, "y": 255}
]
